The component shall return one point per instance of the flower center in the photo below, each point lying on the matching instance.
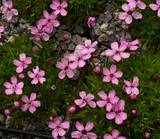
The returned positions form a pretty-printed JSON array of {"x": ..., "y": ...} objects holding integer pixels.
[
  {"x": 108, "y": 100},
  {"x": 84, "y": 132},
  {"x": 111, "y": 75},
  {"x": 59, "y": 7},
  {"x": 37, "y": 76},
  {"x": 129, "y": 12}
]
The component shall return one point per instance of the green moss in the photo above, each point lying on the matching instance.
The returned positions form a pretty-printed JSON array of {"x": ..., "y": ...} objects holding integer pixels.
[{"x": 31, "y": 10}]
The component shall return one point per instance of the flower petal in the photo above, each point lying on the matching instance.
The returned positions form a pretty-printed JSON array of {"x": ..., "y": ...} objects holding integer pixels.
[
  {"x": 79, "y": 126},
  {"x": 107, "y": 136},
  {"x": 102, "y": 95},
  {"x": 61, "y": 132},
  {"x": 89, "y": 126},
  {"x": 91, "y": 135},
  {"x": 115, "y": 133},
  {"x": 65, "y": 125},
  {"x": 115, "y": 81},
  {"x": 110, "y": 115},
  {"x": 101, "y": 103},
  {"x": 9, "y": 91},
  {"x": 32, "y": 109},
  {"x": 76, "y": 134}
]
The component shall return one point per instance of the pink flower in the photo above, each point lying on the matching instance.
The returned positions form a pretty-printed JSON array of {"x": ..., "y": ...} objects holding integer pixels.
[
  {"x": 14, "y": 86},
  {"x": 112, "y": 75},
  {"x": 156, "y": 7},
  {"x": 21, "y": 76},
  {"x": 88, "y": 47},
  {"x": 147, "y": 135},
  {"x": 85, "y": 99},
  {"x": 129, "y": 13},
  {"x": 48, "y": 22},
  {"x": 39, "y": 33},
  {"x": 30, "y": 103},
  {"x": 37, "y": 75},
  {"x": 72, "y": 109},
  {"x": 107, "y": 100},
  {"x": 117, "y": 52},
  {"x": 59, "y": 7},
  {"x": 114, "y": 135},
  {"x": 97, "y": 69},
  {"x": 1, "y": 30},
  {"x": 91, "y": 21},
  {"x": 76, "y": 61},
  {"x": 117, "y": 112},
  {"x": 17, "y": 104},
  {"x": 22, "y": 63},
  {"x": 81, "y": 51},
  {"x": 7, "y": 111},
  {"x": 137, "y": 3},
  {"x": 131, "y": 88},
  {"x": 131, "y": 45},
  {"x": 65, "y": 69},
  {"x": 8, "y": 10},
  {"x": 59, "y": 127},
  {"x": 84, "y": 132}
]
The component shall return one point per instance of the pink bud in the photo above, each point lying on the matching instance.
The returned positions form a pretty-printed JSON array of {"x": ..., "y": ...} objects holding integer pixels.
[
  {"x": 21, "y": 76},
  {"x": 66, "y": 36},
  {"x": 147, "y": 135},
  {"x": 17, "y": 104},
  {"x": 7, "y": 111},
  {"x": 134, "y": 112},
  {"x": 133, "y": 97},
  {"x": 91, "y": 21},
  {"x": 97, "y": 69},
  {"x": 72, "y": 109}
]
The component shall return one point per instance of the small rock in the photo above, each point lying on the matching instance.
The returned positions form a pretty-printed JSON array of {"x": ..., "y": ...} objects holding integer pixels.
[
  {"x": 97, "y": 30},
  {"x": 8, "y": 121},
  {"x": 53, "y": 87},
  {"x": 11, "y": 39},
  {"x": 14, "y": 137},
  {"x": 1, "y": 134},
  {"x": 77, "y": 39},
  {"x": 104, "y": 27},
  {"x": 108, "y": 16},
  {"x": 103, "y": 37},
  {"x": 59, "y": 35},
  {"x": 109, "y": 32},
  {"x": 36, "y": 138},
  {"x": 71, "y": 47},
  {"x": 2, "y": 118},
  {"x": 78, "y": 30},
  {"x": 29, "y": 127},
  {"x": 63, "y": 46}
]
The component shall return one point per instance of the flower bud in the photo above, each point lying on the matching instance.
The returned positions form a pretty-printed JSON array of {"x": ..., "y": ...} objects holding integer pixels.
[
  {"x": 147, "y": 135},
  {"x": 97, "y": 69},
  {"x": 7, "y": 111},
  {"x": 17, "y": 104},
  {"x": 134, "y": 112},
  {"x": 154, "y": 77},
  {"x": 21, "y": 76},
  {"x": 91, "y": 21},
  {"x": 72, "y": 110}
]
